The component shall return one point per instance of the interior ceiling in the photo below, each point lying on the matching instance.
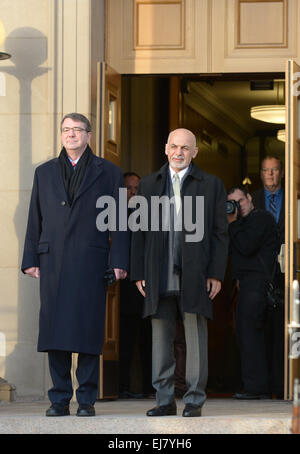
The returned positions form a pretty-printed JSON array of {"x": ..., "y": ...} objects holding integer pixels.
[{"x": 239, "y": 97}]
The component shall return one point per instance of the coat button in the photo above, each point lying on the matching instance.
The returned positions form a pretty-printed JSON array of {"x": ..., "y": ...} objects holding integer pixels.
[{"x": 63, "y": 203}]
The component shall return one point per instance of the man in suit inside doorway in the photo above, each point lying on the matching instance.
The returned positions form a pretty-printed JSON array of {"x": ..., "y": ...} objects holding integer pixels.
[
  {"x": 135, "y": 331},
  {"x": 176, "y": 274},
  {"x": 271, "y": 197}
]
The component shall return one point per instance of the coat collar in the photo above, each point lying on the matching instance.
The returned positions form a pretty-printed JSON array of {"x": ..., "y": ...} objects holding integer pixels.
[
  {"x": 195, "y": 172},
  {"x": 92, "y": 173}
]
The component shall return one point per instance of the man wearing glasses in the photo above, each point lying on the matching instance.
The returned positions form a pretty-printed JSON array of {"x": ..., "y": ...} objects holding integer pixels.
[
  {"x": 64, "y": 248},
  {"x": 271, "y": 196}
]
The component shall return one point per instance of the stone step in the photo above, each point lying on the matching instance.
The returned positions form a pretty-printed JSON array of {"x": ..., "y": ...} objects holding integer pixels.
[{"x": 220, "y": 416}]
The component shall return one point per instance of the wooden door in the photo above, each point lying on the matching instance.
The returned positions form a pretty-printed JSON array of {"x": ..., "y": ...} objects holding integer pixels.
[
  {"x": 292, "y": 224},
  {"x": 108, "y": 146}
]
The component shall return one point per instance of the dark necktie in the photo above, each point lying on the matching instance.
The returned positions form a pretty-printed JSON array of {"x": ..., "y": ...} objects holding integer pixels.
[{"x": 272, "y": 206}]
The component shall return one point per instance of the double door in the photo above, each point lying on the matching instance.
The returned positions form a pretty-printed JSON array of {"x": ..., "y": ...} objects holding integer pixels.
[{"x": 108, "y": 146}]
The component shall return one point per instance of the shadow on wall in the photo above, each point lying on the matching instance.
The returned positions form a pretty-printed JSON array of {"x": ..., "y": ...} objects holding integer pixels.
[{"x": 24, "y": 367}]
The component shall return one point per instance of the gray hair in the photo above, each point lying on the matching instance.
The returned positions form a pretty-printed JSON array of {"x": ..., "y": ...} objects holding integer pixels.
[{"x": 77, "y": 117}]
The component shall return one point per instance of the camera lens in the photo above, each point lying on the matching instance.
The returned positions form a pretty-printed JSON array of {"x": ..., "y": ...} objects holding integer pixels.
[{"x": 230, "y": 206}]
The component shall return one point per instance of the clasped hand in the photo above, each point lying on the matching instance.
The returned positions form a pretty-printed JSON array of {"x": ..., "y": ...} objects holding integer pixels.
[{"x": 213, "y": 286}]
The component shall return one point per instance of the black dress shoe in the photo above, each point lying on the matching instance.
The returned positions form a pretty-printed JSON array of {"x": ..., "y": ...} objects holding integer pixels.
[
  {"x": 251, "y": 396},
  {"x": 163, "y": 410},
  {"x": 86, "y": 410},
  {"x": 191, "y": 410},
  {"x": 58, "y": 410}
]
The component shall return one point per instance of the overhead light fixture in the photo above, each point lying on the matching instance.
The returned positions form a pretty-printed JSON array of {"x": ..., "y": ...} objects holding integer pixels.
[
  {"x": 281, "y": 135},
  {"x": 269, "y": 114}
]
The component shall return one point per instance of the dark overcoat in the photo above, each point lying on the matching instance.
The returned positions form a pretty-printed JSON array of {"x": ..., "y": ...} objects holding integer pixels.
[
  {"x": 200, "y": 260},
  {"x": 64, "y": 241}
]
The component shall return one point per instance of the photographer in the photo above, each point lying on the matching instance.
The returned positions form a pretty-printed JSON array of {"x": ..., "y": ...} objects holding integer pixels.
[{"x": 254, "y": 245}]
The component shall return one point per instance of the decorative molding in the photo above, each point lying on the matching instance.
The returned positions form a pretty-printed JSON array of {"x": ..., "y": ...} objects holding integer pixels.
[
  {"x": 213, "y": 36},
  {"x": 254, "y": 26},
  {"x": 243, "y": 56},
  {"x": 168, "y": 15},
  {"x": 184, "y": 50}
]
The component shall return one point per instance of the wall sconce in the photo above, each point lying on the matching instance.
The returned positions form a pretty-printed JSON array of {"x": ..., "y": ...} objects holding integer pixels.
[
  {"x": 281, "y": 135},
  {"x": 246, "y": 181},
  {"x": 3, "y": 55},
  {"x": 269, "y": 114}
]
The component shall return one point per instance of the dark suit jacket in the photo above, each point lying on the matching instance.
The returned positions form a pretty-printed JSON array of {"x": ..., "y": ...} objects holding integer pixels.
[
  {"x": 259, "y": 202},
  {"x": 200, "y": 260}
]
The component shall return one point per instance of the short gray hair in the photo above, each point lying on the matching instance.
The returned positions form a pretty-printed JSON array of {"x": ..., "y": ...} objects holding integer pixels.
[{"x": 77, "y": 117}]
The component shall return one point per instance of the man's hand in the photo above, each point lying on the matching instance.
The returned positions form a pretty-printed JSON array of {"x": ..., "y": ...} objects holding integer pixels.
[
  {"x": 120, "y": 274},
  {"x": 141, "y": 285},
  {"x": 213, "y": 286},
  {"x": 33, "y": 272}
]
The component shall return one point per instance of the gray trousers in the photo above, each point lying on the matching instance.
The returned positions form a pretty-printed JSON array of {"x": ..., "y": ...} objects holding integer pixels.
[{"x": 163, "y": 359}]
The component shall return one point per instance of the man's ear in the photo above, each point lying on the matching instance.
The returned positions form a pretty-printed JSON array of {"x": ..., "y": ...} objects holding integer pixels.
[
  {"x": 195, "y": 152},
  {"x": 249, "y": 197}
]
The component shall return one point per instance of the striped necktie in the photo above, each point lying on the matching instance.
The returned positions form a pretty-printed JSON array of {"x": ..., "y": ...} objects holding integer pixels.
[
  {"x": 176, "y": 189},
  {"x": 272, "y": 206}
]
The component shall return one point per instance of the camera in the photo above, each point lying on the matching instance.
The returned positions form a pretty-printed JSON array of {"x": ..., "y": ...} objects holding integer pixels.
[{"x": 231, "y": 206}]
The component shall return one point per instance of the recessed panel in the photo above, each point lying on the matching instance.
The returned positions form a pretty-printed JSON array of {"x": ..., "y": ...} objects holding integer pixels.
[
  {"x": 262, "y": 23},
  {"x": 159, "y": 25}
]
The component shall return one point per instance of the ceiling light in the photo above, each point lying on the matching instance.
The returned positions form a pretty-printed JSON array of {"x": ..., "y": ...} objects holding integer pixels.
[
  {"x": 281, "y": 135},
  {"x": 269, "y": 114}
]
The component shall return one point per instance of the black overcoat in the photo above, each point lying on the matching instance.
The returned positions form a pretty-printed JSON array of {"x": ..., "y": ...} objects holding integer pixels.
[
  {"x": 63, "y": 240},
  {"x": 200, "y": 260}
]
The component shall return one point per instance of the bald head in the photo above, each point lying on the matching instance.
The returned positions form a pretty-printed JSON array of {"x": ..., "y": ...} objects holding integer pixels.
[
  {"x": 181, "y": 148},
  {"x": 186, "y": 132}
]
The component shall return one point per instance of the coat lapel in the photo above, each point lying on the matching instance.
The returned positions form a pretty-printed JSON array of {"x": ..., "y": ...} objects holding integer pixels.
[
  {"x": 161, "y": 177},
  {"x": 92, "y": 173},
  {"x": 58, "y": 181}
]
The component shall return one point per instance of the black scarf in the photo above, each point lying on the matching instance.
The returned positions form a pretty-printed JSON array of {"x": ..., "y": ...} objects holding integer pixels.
[{"x": 72, "y": 178}]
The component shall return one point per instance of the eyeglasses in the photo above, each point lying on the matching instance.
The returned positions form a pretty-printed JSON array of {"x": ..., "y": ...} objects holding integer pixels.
[
  {"x": 275, "y": 169},
  {"x": 76, "y": 130}
]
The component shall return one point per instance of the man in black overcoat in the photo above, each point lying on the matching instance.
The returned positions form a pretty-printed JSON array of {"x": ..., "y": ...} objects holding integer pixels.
[
  {"x": 179, "y": 266},
  {"x": 68, "y": 249},
  {"x": 134, "y": 329},
  {"x": 254, "y": 246},
  {"x": 271, "y": 197}
]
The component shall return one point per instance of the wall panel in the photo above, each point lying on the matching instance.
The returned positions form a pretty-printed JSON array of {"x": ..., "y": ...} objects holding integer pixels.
[
  {"x": 201, "y": 36},
  {"x": 250, "y": 36},
  {"x": 157, "y": 36}
]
